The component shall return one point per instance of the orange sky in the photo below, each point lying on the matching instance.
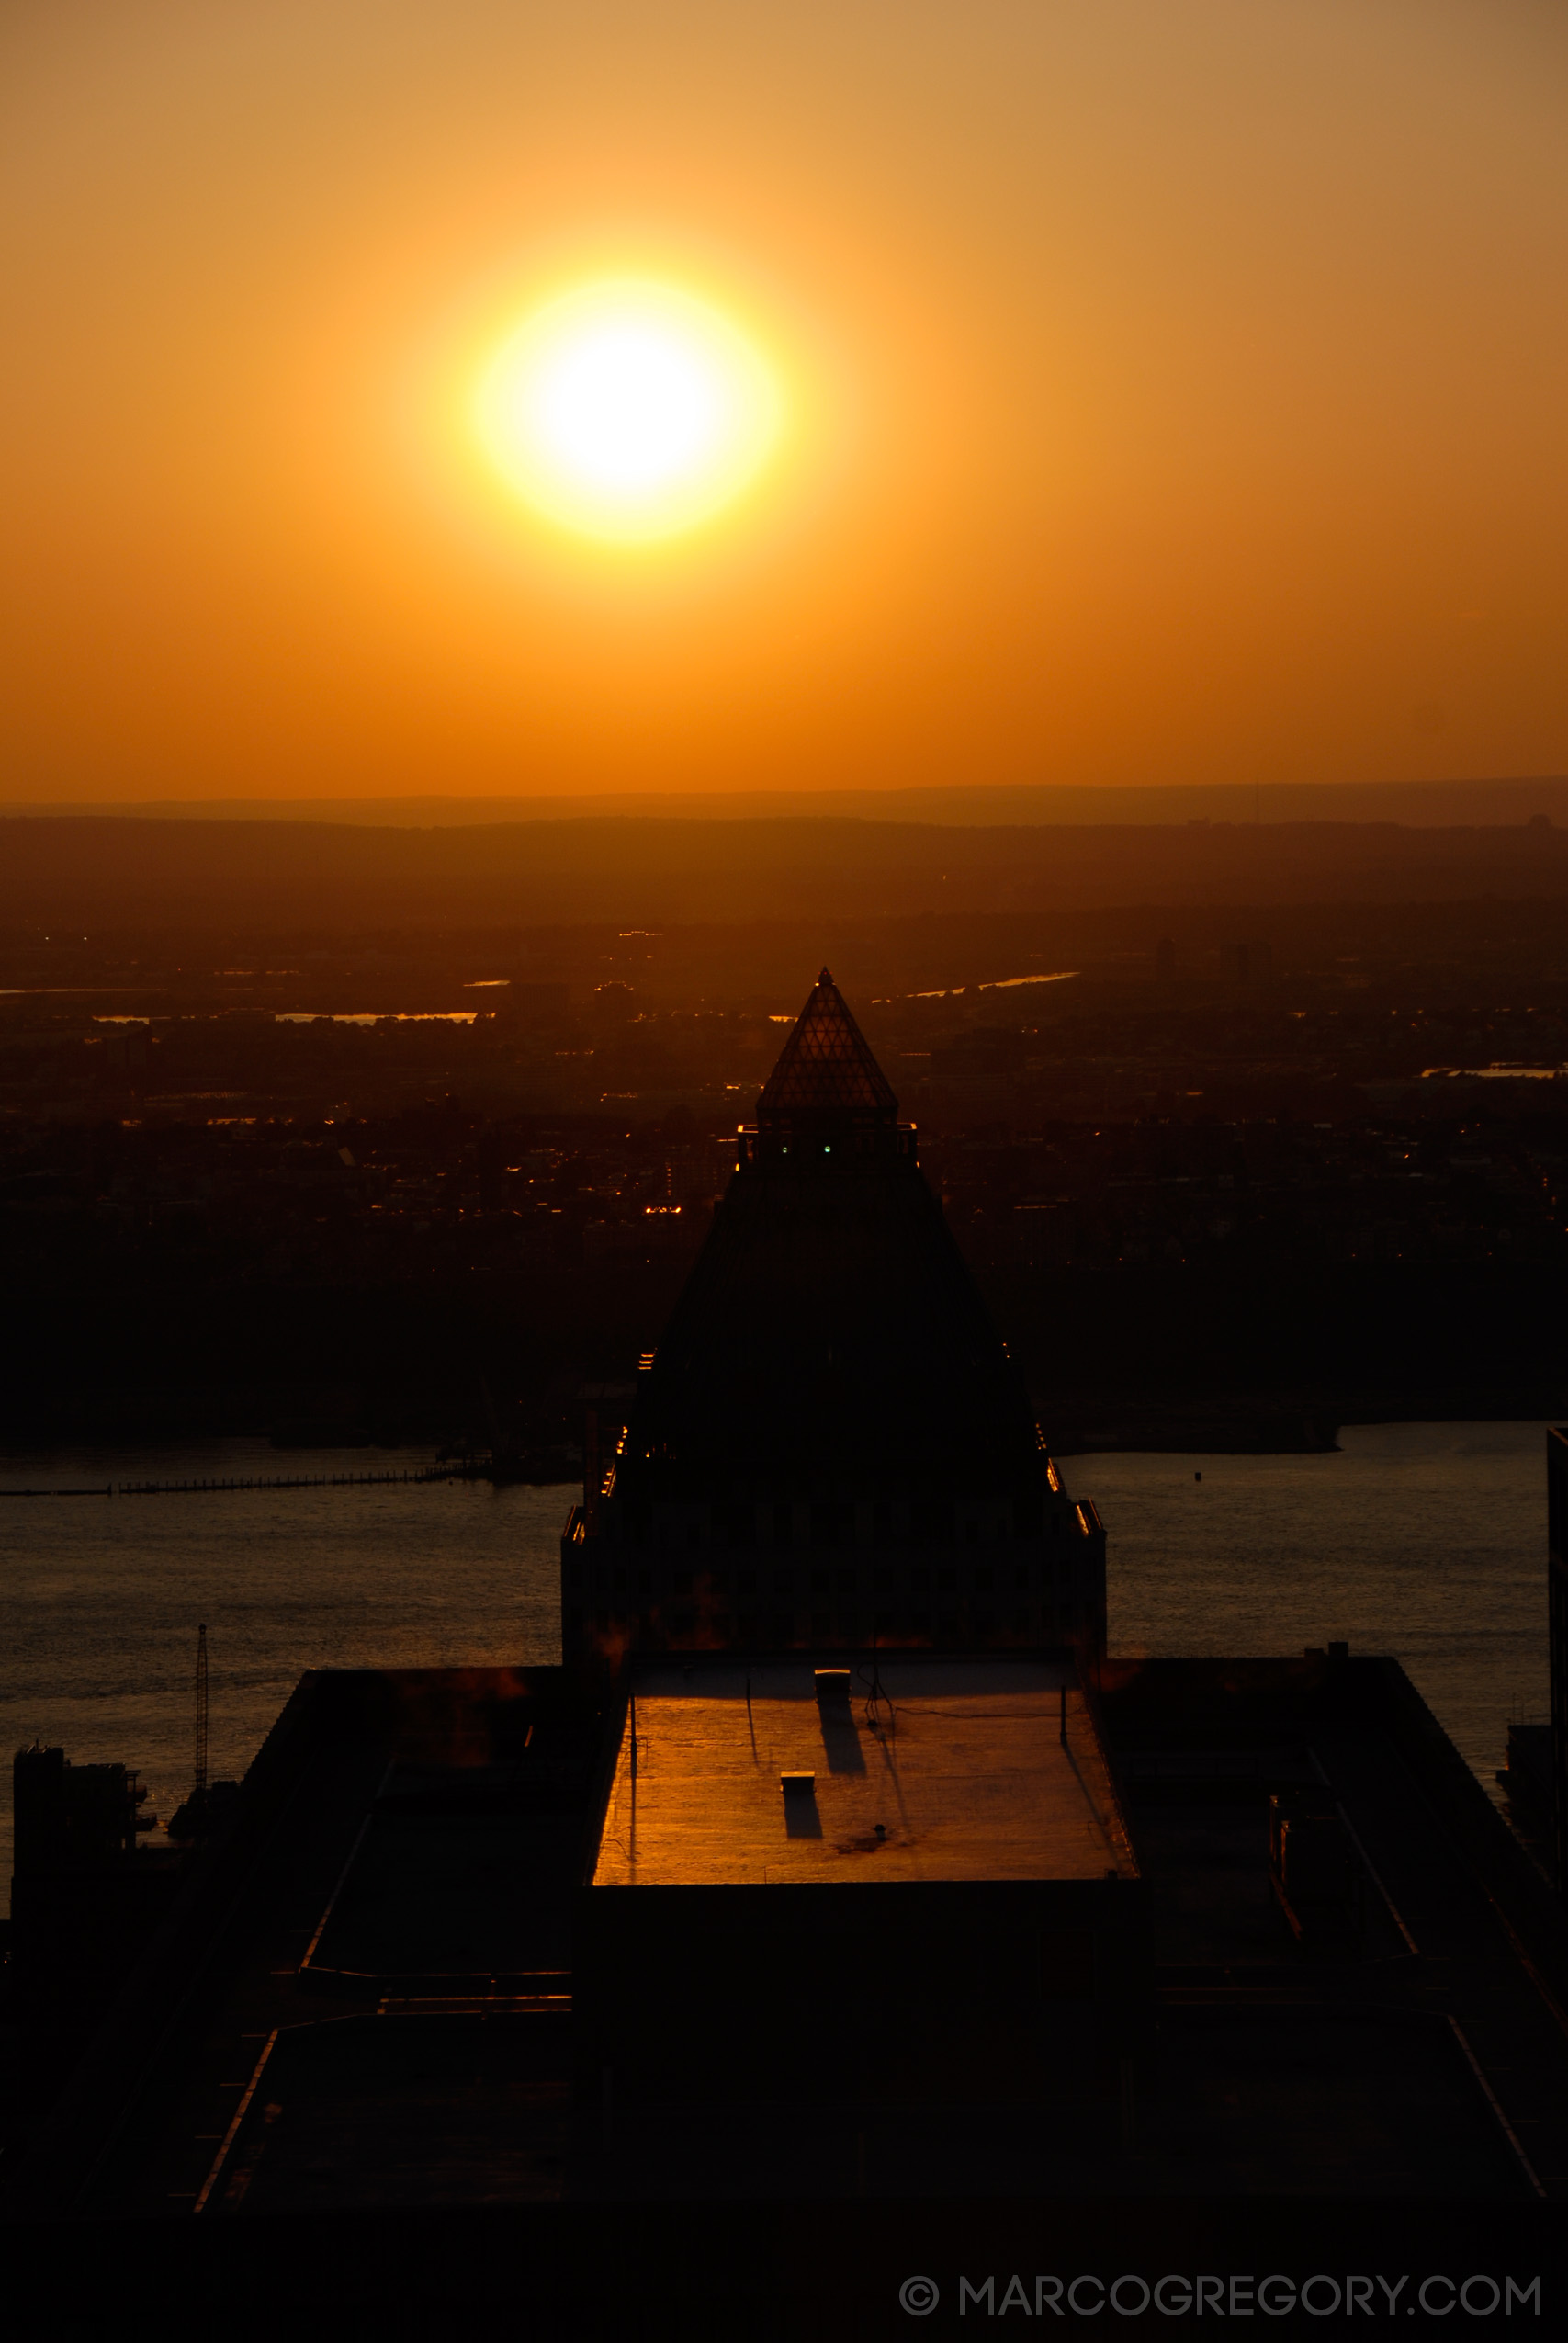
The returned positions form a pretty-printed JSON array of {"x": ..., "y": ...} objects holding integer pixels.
[{"x": 1180, "y": 392}]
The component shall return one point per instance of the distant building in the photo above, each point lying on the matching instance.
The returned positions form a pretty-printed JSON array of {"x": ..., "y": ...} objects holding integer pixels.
[
  {"x": 85, "y": 1896},
  {"x": 1557, "y": 1583},
  {"x": 1249, "y": 963},
  {"x": 69, "y": 1815},
  {"x": 697, "y": 1170},
  {"x": 125, "y": 1050},
  {"x": 831, "y": 1445},
  {"x": 531, "y": 1003}
]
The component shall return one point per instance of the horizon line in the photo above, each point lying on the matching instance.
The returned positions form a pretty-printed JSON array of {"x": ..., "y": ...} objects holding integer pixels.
[{"x": 1499, "y": 800}]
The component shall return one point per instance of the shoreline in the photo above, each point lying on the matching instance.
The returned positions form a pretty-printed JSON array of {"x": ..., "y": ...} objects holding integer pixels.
[{"x": 1232, "y": 1428}]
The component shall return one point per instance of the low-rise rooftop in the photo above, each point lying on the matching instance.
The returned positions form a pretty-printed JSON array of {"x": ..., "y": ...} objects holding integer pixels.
[
  {"x": 929, "y": 1769},
  {"x": 360, "y": 2004}
]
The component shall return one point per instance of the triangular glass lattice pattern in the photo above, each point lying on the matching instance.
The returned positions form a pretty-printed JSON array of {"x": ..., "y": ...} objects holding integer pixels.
[{"x": 826, "y": 1067}]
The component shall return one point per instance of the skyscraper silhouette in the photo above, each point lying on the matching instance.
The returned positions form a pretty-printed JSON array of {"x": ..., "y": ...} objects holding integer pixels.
[{"x": 832, "y": 1445}]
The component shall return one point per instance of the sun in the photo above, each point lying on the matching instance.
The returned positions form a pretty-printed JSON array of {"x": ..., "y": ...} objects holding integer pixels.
[{"x": 628, "y": 410}]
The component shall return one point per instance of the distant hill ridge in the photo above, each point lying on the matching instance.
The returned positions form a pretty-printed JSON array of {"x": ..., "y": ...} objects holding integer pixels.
[
  {"x": 1421, "y": 804},
  {"x": 653, "y": 870}
]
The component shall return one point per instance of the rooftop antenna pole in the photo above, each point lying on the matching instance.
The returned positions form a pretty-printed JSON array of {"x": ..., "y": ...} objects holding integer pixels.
[{"x": 201, "y": 1712}]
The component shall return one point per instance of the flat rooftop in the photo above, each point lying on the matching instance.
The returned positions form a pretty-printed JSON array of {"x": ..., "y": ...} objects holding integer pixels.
[
  {"x": 958, "y": 1771},
  {"x": 361, "y": 2007}
]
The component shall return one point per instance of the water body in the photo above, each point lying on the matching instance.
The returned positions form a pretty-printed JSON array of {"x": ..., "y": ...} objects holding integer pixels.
[
  {"x": 100, "y": 1597},
  {"x": 1424, "y": 1540}
]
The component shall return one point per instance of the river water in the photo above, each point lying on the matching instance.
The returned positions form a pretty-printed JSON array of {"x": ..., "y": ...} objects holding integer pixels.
[{"x": 1424, "y": 1540}]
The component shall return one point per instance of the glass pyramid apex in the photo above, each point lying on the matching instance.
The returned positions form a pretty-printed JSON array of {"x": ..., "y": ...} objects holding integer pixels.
[{"x": 826, "y": 1068}]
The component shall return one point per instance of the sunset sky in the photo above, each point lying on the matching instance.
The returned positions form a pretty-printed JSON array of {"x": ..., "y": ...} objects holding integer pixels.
[{"x": 1168, "y": 390}]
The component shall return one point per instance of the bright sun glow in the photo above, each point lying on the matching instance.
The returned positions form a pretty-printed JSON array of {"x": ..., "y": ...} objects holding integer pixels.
[{"x": 628, "y": 411}]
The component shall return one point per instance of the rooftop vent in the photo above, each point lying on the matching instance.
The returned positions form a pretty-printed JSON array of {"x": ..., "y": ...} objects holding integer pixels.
[
  {"x": 832, "y": 1687},
  {"x": 798, "y": 1785}
]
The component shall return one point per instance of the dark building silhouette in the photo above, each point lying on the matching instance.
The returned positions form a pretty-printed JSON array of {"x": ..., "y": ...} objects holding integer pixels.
[
  {"x": 72, "y": 1815},
  {"x": 831, "y": 1445},
  {"x": 1249, "y": 963},
  {"x": 85, "y": 1896},
  {"x": 1557, "y": 1584},
  {"x": 530, "y": 1003}
]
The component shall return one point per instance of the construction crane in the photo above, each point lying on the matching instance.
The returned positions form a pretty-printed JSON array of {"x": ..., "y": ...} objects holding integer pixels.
[{"x": 200, "y": 1792}]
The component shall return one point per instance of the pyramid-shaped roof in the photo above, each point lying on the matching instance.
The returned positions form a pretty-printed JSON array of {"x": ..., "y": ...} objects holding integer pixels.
[
  {"x": 826, "y": 1068},
  {"x": 830, "y": 1335}
]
